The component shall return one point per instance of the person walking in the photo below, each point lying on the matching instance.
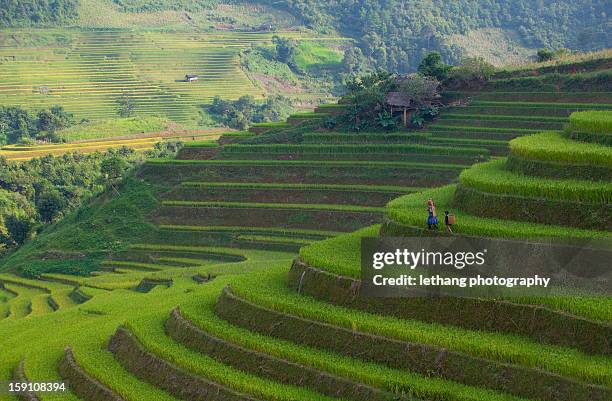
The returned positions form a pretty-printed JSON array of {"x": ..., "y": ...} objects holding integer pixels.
[{"x": 432, "y": 218}]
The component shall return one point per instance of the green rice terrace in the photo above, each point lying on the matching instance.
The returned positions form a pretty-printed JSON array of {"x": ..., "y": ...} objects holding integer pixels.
[
  {"x": 89, "y": 71},
  {"x": 232, "y": 271}
]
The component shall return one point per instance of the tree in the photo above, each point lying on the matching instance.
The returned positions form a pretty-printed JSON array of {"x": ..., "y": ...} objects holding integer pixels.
[
  {"x": 471, "y": 72},
  {"x": 544, "y": 55},
  {"x": 20, "y": 125},
  {"x": 548, "y": 55},
  {"x": 19, "y": 229},
  {"x": 50, "y": 205},
  {"x": 432, "y": 66},
  {"x": 419, "y": 88},
  {"x": 51, "y": 120},
  {"x": 366, "y": 96},
  {"x": 285, "y": 50},
  {"x": 354, "y": 61},
  {"x": 241, "y": 113},
  {"x": 126, "y": 105},
  {"x": 112, "y": 168},
  {"x": 380, "y": 81}
]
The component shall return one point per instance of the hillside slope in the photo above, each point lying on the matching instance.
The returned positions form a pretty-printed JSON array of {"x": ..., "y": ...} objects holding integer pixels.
[
  {"x": 392, "y": 35},
  {"x": 395, "y": 35},
  {"x": 183, "y": 282}
]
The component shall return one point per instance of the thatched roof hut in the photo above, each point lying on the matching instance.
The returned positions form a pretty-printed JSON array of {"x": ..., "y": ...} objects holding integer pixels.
[{"x": 398, "y": 99}]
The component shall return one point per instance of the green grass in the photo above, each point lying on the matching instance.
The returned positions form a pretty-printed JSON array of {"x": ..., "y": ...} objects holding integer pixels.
[
  {"x": 151, "y": 335},
  {"x": 106, "y": 224},
  {"x": 132, "y": 265},
  {"x": 273, "y": 292},
  {"x": 340, "y": 255},
  {"x": 312, "y": 55},
  {"x": 467, "y": 128},
  {"x": 21, "y": 305},
  {"x": 494, "y": 178},
  {"x": 318, "y": 187},
  {"x": 268, "y": 238},
  {"x": 554, "y": 147},
  {"x": 202, "y": 249},
  {"x": 507, "y": 124},
  {"x": 113, "y": 127},
  {"x": 238, "y": 134},
  {"x": 59, "y": 292},
  {"x": 332, "y": 106},
  {"x": 594, "y": 122},
  {"x": 147, "y": 66},
  {"x": 309, "y": 114},
  {"x": 374, "y": 137},
  {"x": 409, "y": 210},
  {"x": 203, "y": 316},
  {"x": 307, "y": 163},
  {"x": 253, "y": 230},
  {"x": 536, "y": 105},
  {"x": 273, "y": 124},
  {"x": 457, "y": 116},
  {"x": 356, "y": 149},
  {"x": 468, "y": 141},
  {"x": 202, "y": 144},
  {"x": 292, "y": 206},
  {"x": 87, "y": 327}
]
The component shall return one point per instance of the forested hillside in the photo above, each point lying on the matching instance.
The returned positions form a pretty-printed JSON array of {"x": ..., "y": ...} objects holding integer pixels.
[
  {"x": 395, "y": 34},
  {"x": 37, "y": 12},
  {"x": 390, "y": 34}
]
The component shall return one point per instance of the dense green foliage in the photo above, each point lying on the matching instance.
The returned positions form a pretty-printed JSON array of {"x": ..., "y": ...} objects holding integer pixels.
[
  {"x": 544, "y": 55},
  {"x": 40, "y": 191},
  {"x": 20, "y": 125},
  {"x": 366, "y": 100},
  {"x": 432, "y": 66},
  {"x": 471, "y": 72},
  {"x": 396, "y": 34},
  {"x": 162, "y": 5},
  {"x": 37, "y": 12},
  {"x": 50, "y": 186},
  {"x": 242, "y": 113}
]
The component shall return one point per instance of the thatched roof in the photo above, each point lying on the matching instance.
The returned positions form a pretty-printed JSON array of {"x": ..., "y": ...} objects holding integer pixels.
[{"x": 398, "y": 99}]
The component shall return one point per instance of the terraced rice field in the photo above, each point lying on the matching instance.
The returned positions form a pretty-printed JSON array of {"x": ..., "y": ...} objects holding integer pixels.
[
  {"x": 141, "y": 143},
  {"x": 212, "y": 301},
  {"x": 87, "y": 72},
  {"x": 516, "y": 106}
]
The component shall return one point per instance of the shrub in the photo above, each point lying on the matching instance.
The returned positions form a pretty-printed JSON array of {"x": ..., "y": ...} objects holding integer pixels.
[
  {"x": 432, "y": 66},
  {"x": 246, "y": 111},
  {"x": 420, "y": 89},
  {"x": 471, "y": 71}
]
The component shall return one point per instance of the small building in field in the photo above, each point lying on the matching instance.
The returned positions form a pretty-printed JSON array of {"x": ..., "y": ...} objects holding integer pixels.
[
  {"x": 401, "y": 102},
  {"x": 191, "y": 78},
  {"x": 398, "y": 101}
]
